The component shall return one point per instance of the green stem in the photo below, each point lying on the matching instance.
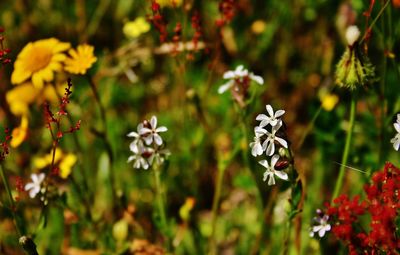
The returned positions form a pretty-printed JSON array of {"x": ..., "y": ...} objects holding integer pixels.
[
  {"x": 339, "y": 181},
  {"x": 161, "y": 205},
  {"x": 216, "y": 198},
  {"x": 10, "y": 198}
]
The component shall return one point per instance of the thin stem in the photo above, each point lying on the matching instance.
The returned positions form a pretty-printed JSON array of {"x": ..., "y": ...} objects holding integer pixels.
[
  {"x": 10, "y": 198},
  {"x": 161, "y": 205},
  {"x": 216, "y": 198},
  {"x": 375, "y": 20},
  {"x": 339, "y": 181}
]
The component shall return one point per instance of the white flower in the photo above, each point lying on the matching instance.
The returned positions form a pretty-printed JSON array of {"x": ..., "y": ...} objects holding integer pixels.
[
  {"x": 269, "y": 143},
  {"x": 35, "y": 185},
  {"x": 396, "y": 140},
  {"x": 271, "y": 172},
  {"x": 137, "y": 143},
  {"x": 138, "y": 160},
  {"x": 322, "y": 225},
  {"x": 159, "y": 156},
  {"x": 256, "y": 148},
  {"x": 272, "y": 119},
  {"x": 238, "y": 74},
  {"x": 151, "y": 134},
  {"x": 352, "y": 34}
]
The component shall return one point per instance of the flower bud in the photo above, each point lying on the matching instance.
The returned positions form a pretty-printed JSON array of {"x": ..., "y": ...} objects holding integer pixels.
[{"x": 352, "y": 35}]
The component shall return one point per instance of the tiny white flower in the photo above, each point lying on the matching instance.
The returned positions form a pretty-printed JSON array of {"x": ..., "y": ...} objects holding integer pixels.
[
  {"x": 137, "y": 143},
  {"x": 272, "y": 119},
  {"x": 322, "y": 226},
  {"x": 269, "y": 143},
  {"x": 138, "y": 160},
  {"x": 256, "y": 147},
  {"x": 151, "y": 134},
  {"x": 35, "y": 186},
  {"x": 396, "y": 140},
  {"x": 352, "y": 34},
  {"x": 270, "y": 173},
  {"x": 238, "y": 74}
]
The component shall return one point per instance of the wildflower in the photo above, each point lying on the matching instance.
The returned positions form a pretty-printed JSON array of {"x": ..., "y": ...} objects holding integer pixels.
[
  {"x": 321, "y": 224},
  {"x": 39, "y": 60},
  {"x": 150, "y": 132},
  {"x": 239, "y": 76},
  {"x": 19, "y": 134},
  {"x": 133, "y": 29},
  {"x": 270, "y": 173},
  {"x": 269, "y": 143},
  {"x": 329, "y": 101},
  {"x": 272, "y": 119},
  {"x": 35, "y": 186},
  {"x": 256, "y": 147},
  {"x": 396, "y": 140},
  {"x": 137, "y": 143},
  {"x": 64, "y": 161},
  {"x": 139, "y": 161},
  {"x": 354, "y": 68},
  {"x": 80, "y": 60}
]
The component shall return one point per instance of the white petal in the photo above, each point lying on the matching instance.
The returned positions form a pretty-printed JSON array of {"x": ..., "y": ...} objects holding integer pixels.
[
  {"x": 259, "y": 130},
  {"x": 274, "y": 159},
  {"x": 397, "y": 127},
  {"x": 281, "y": 141},
  {"x": 157, "y": 139},
  {"x": 396, "y": 145},
  {"x": 270, "y": 110},
  {"x": 271, "y": 149},
  {"x": 33, "y": 192},
  {"x": 262, "y": 117},
  {"x": 328, "y": 227},
  {"x": 264, "y": 163},
  {"x": 148, "y": 139},
  {"x": 29, "y": 186},
  {"x": 153, "y": 122},
  {"x": 225, "y": 86},
  {"x": 229, "y": 75},
  {"x": 279, "y": 113},
  {"x": 132, "y": 134},
  {"x": 144, "y": 130},
  {"x": 41, "y": 177},
  {"x": 131, "y": 158},
  {"x": 271, "y": 180},
  {"x": 282, "y": 175},
  {"x": 321, "y": 233},
  {"x": 257, "y": 79},
  {"x": 161, "y": 129},
  {"x": 34, "y": 178}
]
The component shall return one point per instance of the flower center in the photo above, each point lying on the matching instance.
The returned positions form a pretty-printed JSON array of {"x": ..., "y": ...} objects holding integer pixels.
[{"x": 38, "y": 59}]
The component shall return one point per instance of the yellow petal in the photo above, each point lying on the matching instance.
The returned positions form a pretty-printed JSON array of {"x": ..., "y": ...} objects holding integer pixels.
[
  {"x": 19, "y": 133},
  {"x": 66, "y": 165}
]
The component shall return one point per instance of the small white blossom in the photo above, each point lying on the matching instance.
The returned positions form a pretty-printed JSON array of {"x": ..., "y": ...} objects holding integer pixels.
[
  {"x": 270, "y": 173},
  {"x": 151, "y": 134},
  {"x": 256, "y": 147},
  {"x": 35, "y": 186},
  {"x": 352, "y": 34},
  {"x": 238, "y": 74},
  {"x": 269, "y": 143},
  {"x": 272, "y": 119},
  {"x": 137, "y": 143},
  {"x": 322, "y": 226},
  {"x": 396, "y": 140},
  {"x": 158, "y": 157},
  {"x": 138, "y": 160}
]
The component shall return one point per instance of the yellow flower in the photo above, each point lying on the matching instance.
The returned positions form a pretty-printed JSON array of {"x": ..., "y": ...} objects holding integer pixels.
[
  {"x": 329, "y": 101},
  {"x": 80, "y": 60},
  {"x": 19, "y": 133},
  {"x": 132, "y": 29},
  {"x": 39, "y": 60},
  {"x": 20, "y": 97},
  {"x": 170, "y": 3},
  {"x": 65, "y": 162}
]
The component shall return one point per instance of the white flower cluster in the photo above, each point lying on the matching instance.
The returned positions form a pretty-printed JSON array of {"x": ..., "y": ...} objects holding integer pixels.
[
  {"x": 147, "y": 146},
  {"x": 396, "y": 140},
  {"x": 266, "y": 139},
  {"x": 320, "y": 224},
  {"x": 239, "y": 75}
]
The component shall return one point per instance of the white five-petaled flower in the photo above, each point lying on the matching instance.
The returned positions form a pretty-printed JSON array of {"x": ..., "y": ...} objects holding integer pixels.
[
  {"x": 137, "y": 144},
  {"x": 270, "y": 173},
  {"x": 256, "y": 147},
  {"x": 35, "y": 186},
  {"x": 138, "y": 160},
  {"x": 269, "y": 144},
  {"x": 238, "y": 74},
  {"x": 151, "y": 134},
  {"x": 273, "y": 119},
  {"x": 322, "y": 226},
  {"x": 396, "y": 140}
]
